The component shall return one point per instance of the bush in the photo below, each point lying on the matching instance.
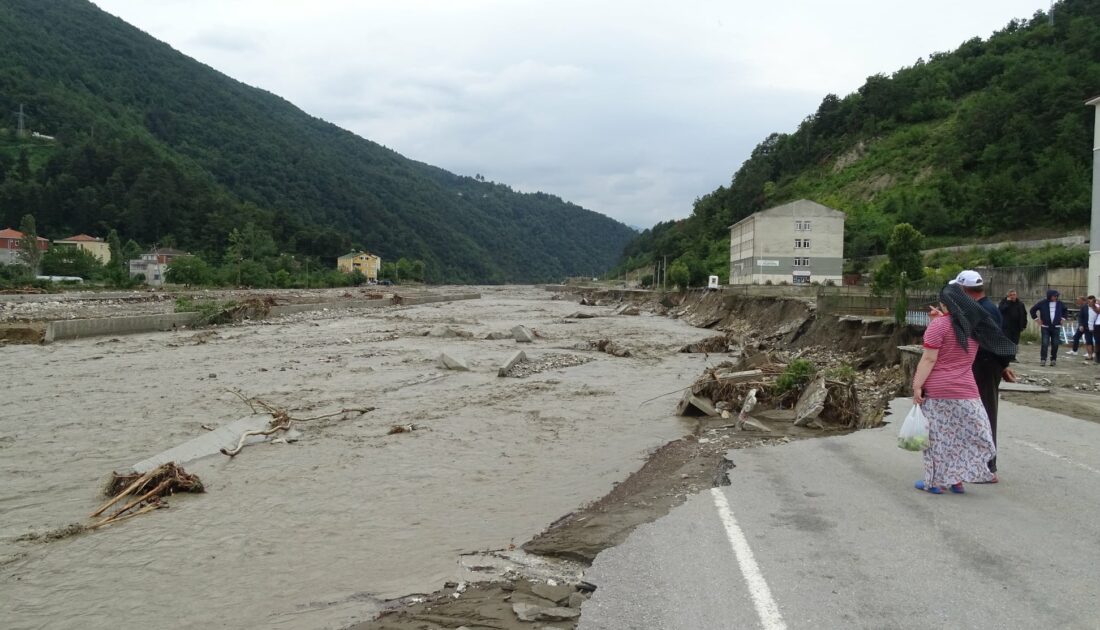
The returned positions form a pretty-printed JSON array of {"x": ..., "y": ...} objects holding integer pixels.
[
  {"x": 70, "y": 261},
  {"x": 796, "y": 376},
  {"x": 189, "y": 270},
  {"x": 15, "y": 275},
  {"x": 843, "y": 372},
  {"x": 208, "y": 310}
]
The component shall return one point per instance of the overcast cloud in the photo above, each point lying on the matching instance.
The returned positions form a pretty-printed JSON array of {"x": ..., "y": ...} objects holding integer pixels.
[{"x": 632, "y": 109}]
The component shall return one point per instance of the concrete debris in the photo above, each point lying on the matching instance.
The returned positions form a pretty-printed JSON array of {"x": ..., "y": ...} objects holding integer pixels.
[
  {"x": 447, "y": 332},
  {"x": 581, "y": 315},
  {"x": 605, "y": 345},
  {"x": 585, "y": 301},
  {"x": 811, "y": 403},
  {"x": 499, "y": 335},
  {"x": 401, "y": 428},
  {"x": 208, "y": 443},
  {"x": 523, "y": 334},
  {"x": 627, "y": 309},
  {"x": 693, "y": 405},
  {"x": 752, "y": 424},
  {"x": 448, "y": 362},
  {"x": 517, "y": 358}
]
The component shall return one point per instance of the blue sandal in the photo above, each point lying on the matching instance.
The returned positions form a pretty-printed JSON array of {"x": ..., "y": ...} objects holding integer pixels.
[
  {"x": 958, "y": 488},
  {"x": 920, "y": 485}
]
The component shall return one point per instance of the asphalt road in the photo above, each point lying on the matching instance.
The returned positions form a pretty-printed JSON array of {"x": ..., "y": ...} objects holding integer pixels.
[{"x": 830, "y": 533}]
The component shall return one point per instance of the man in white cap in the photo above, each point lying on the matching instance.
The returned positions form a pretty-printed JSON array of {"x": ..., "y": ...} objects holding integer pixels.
[{"x": 988, "y": 367}]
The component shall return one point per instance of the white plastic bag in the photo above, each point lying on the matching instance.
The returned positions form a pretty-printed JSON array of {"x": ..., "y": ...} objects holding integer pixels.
[{"x": 914, "y": 431}]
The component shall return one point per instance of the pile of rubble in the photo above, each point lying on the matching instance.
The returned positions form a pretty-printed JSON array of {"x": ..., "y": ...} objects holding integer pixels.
[
  {"x": 822, "y": 393},
  {"x": 526, "y": 367}
]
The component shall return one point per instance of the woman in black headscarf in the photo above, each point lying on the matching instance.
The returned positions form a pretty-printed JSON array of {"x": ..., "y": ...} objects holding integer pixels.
[{"x": 960, "y": 439}]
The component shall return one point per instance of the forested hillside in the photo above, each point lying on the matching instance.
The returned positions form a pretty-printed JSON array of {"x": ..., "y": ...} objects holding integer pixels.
[
  {"x": 167, "y": 150},
  {"x": 989, "y": 138}
]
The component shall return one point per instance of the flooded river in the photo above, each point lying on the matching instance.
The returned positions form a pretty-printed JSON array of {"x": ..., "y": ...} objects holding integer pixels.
[{"x": 317, "y": 533}]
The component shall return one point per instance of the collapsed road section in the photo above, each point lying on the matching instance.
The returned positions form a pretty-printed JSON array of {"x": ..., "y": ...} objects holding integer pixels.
[{"x": 774, "y": 374}]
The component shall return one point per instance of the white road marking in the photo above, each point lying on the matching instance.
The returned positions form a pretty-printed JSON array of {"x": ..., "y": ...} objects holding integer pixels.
[
  {"x": 766, "y": 607},
  {"x": 1050, "y": 453}
]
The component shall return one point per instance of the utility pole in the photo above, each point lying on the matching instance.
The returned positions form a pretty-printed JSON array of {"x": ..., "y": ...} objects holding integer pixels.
[
  {"x": 664, "y": 274},
  {"x": 1094, "y": 244},
  {"x": 21, "y": 125}
]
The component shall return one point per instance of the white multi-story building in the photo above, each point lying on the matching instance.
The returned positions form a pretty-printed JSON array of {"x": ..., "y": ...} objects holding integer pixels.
[{"x": 797, "y": 243}]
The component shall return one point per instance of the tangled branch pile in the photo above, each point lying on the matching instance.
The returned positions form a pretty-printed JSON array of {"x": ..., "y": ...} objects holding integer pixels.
[
  {"x": 144, "y": 491},
  {"x": 280, "y": 420}
]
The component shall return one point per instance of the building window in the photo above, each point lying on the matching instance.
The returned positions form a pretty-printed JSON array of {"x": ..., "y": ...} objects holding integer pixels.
[
  {"x": 802, "y": 226},
  {"x": 800, "y": 280},
  {"x": 801, "y": 243},
  {"x": 801, "y": 261}
]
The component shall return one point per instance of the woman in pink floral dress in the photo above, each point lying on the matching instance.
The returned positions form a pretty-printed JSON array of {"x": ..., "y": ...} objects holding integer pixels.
[{"x": 960, "y": 440}]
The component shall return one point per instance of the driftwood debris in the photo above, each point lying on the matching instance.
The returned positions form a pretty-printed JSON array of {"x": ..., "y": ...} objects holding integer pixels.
[
  {"x": 281, "y": 420},
  {"x": 143, "y": 493}
]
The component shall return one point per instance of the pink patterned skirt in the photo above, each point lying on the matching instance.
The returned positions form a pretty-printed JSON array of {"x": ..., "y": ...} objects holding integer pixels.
[{"x": 960, "y": 442}]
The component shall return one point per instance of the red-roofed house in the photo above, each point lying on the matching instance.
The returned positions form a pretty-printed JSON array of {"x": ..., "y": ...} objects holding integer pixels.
[
  {"x": 94, "y": 246},
  {"x": 10, "y": 245}
]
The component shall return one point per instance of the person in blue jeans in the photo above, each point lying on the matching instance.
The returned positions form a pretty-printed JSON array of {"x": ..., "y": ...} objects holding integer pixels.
[{"x": 1049, "y": 313}]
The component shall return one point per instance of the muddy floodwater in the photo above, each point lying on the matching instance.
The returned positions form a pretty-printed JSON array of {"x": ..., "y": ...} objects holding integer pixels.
[{"x": 317, "y": 533}]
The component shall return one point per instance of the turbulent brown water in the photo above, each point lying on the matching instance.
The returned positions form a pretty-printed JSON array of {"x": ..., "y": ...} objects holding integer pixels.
[{"x": 315, "y": 534}]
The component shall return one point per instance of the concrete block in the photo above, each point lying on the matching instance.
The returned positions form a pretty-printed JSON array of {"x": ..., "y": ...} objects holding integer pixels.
[
  {"x": 448, "y": 362},
  {"x": 518, "y": 357},
  {"x": 523, "y": 334},
  {"x": 692, "y": 405}
]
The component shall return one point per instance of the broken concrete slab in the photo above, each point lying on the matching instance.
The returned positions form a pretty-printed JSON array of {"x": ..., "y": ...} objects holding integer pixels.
[
  {"x": 743, "y": 376},
  {"x": 627, "y": 309},
  {"x": 518, "y": 357},
  {"x": 448, "y": 362},
  {"x": 523, "y": 334},
  {"x": 692, "y": 405},
  {"x": 752, "y": 424},
  {"x": 1023, "y": 387},
  {"x": 811, "y": 403},
  {"x": 580, "y": 315},
  {"x": 498, "y": 335},
  {"x": 211, "y": 443}
]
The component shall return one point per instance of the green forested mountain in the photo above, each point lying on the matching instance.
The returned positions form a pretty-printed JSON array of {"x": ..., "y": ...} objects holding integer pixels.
[
  {"x": 165, "y": 149},
  {"x": 989, "y": 138}
]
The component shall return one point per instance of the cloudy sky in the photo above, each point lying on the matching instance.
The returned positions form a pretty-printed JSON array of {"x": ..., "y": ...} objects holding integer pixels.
[{"x": 630, "y": 108}]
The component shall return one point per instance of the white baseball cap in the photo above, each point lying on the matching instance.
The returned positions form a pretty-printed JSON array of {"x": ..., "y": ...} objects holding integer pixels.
[{"x": 968, "y": 278}]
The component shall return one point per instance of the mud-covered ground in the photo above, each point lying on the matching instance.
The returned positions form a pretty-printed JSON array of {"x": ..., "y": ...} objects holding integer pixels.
[
  {"x": 320, "y": 533},
  {"x": 1074, "y": 383}
]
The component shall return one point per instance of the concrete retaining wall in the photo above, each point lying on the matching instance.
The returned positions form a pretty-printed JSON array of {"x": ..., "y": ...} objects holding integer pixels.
[
  {"x": 100, "y": 326},
  {"x": 95, "y": 327}
]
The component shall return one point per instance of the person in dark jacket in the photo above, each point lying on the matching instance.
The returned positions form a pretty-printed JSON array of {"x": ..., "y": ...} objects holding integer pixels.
[
  {"x": 1013, "y": 316},
  {"x": 1049, "y": 314},
  {"x": 1083, "y": 331},
  {"x": 989, "y": 368}
]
